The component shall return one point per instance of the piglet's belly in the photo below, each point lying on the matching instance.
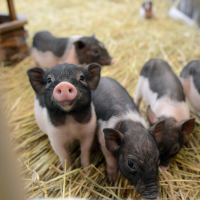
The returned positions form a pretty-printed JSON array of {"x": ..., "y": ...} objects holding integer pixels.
[{"x": 40, "y": 113}]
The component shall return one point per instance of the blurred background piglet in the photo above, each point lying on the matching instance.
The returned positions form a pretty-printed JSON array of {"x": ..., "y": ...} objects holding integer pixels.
[{"x": 48, "y": 50}]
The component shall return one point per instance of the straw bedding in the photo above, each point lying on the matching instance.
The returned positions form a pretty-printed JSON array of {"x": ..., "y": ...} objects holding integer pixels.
[{"x": 132, "y": 41}]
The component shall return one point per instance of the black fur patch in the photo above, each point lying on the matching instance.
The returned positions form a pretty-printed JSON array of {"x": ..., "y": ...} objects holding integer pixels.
[
  {"x": 112, "y": 101},
  {"x": 162, "y": 80},
  {"x": 40, "y": 98},
  {"x": 44, "y": 41},
  {"x": 58, "y": 117}
]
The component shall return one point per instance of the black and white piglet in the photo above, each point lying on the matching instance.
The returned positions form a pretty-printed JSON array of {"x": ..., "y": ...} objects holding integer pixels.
[
  {"x": 125, "y": 141},
  {"x": 48, "y": 50},
  {"x": 190, "y": 79},
  {"x": 63, "y": 108},
  {"x": 163, "y": 91},
  {"x": 146, "y": 11}
]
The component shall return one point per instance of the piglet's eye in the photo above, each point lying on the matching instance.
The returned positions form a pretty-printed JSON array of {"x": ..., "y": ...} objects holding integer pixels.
[
  {"x": 96, "y": 51},
  {"x": 49, "y": 80},
  {"x": 82, "y": 78},
  {"x": 175, "y": 148},
  {"x": 131, "y": 165}
]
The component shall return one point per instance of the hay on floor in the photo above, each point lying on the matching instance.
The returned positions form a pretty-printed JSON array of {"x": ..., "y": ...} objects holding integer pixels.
[{"x": 132, "y": 41}]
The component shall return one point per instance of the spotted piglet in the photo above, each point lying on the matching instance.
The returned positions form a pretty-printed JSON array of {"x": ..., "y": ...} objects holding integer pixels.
[
  {"x": 63, "y": 108},
  {"x": 125, "y": 141},
  {"x": 48, "y": 50},
  {"x": 146, "y": 11},
  {"x": 163, "y": 91},
  {"x": 190, "y": 79}
]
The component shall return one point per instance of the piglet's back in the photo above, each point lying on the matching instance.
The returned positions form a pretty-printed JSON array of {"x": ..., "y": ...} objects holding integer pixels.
[
  {"x": 114, "y": 97},
  {"x": 162, "y": 80},
  {"x": 45, "y": 41}
]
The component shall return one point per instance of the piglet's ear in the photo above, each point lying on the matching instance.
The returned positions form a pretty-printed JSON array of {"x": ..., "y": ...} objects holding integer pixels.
[
  {"x": 113, "y": 139},
  {"x": 187, "y": 126},
  {"x": 151, "y": 116},
  {"x": 94, "y": 74},
  {"x": 36, "y": 79},
  {"x": 79, "y": 44},
  {"x": 93, "y": 35},
  {"x": 157, "y": 130}
]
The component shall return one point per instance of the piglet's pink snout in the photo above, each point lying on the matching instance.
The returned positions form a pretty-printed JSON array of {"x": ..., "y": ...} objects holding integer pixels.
[
  {"x": 112, "y": 61},
  {"x": 148, "y": 7},
  {"x": 64, "y": 91}
]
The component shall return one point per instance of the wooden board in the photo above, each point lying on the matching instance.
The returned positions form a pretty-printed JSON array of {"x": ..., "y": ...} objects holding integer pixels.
[{"x": 8, "y": 26}]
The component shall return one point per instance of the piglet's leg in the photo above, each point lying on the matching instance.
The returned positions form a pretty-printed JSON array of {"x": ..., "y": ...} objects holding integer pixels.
[
  {"x": 61, "y": 150},
  {"x": 111, "y": 164},
  {"x": 137, "y": 101},
  {"x": 110, "y": 159},
  {"x": 138, "y": 94},
  {"x": 86, "y": 144},
  {"x": 65, "y": 156}
]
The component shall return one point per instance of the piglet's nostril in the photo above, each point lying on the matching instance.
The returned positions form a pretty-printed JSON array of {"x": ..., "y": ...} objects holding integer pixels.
[{"x": 70, "y": 90}]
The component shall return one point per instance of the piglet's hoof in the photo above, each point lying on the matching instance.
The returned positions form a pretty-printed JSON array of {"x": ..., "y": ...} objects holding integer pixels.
[
  {"x": 112, "y": 174},
  {"x": 86, "y": 171},
  {"x": 163, "y": 168}
]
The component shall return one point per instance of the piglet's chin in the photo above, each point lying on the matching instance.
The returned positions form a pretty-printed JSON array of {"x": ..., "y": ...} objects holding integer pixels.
[
  {"x": 65, "y": 103},
  {"x": 163, "y": 168},
  {"x": 148, "y": 7}
]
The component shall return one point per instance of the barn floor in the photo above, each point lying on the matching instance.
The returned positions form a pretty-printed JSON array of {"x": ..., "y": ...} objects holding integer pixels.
[{"x": 132, "y": 41}]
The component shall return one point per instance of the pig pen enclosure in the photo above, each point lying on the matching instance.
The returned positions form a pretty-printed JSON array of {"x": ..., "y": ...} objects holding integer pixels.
[{"x": 132, "y": 41}]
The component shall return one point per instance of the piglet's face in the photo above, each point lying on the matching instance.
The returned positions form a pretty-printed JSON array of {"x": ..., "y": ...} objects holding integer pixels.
[
  {"x": 173, "y": 137},
  {"x": 65, "y": 87},
  {"x": 137, "y": 156},
  {"x": 89, "y": 50},
  {"x": 147, "y": 5}
]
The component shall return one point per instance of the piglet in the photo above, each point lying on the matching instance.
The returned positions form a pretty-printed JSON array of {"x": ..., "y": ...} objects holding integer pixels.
[
  {"x": 190, "y": 79},
  {"x": 125, "y": 141},
  {"x": 146, "y": 11},
  {"x": 163, "y": 91},
  {"x": 63, "y": 107},
  {"x": 48, "y": 50}
]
